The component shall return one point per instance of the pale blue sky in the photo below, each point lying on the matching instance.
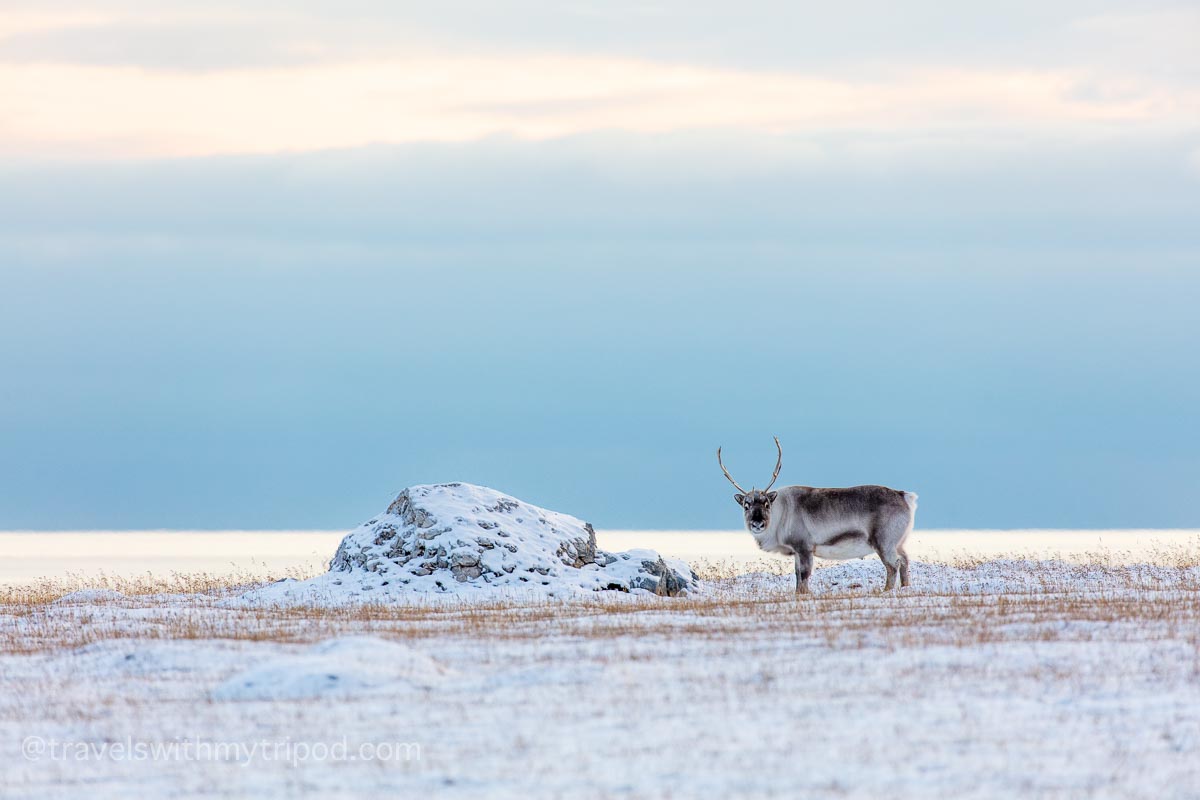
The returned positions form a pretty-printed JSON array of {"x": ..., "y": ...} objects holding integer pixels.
[{"x": 989, "y": 301}]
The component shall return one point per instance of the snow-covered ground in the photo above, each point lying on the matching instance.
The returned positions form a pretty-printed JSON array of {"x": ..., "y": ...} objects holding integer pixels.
[{"x": 1002, "y": 678}]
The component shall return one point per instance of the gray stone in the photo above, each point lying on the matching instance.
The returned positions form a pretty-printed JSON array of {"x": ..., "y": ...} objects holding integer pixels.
[
  {"x": 462, "y": 574},
  {"x": 670, "y": 583}
]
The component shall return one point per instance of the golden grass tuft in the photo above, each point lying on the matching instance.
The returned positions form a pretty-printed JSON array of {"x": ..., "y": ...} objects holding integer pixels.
[{"x": 47, "y": 590}]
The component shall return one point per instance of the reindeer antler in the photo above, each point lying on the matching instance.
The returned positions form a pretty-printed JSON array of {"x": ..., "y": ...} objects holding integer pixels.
[
  {"x": 778, "y": 465},
  {"x": 727, "y": 475}
]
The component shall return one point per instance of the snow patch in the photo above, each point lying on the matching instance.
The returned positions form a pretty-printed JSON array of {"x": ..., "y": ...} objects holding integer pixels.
[
  {"x": 351, "y": 665},
  {"x": 133, "y": 658},
  {"x": 83, "y": 596}
]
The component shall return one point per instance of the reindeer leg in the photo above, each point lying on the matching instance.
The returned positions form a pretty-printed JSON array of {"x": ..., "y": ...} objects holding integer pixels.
[
  {"x": 804, "y": 564},
  {"x": 891, "y": 577},
  {"x": 903, "y": 566},
  {"x": 889, "y": 557}
]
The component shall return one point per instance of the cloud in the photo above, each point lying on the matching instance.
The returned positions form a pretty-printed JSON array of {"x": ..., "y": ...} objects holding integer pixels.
[
  {"x": 54, "y": 109},
  {"x": 567, "y": 196},
  {"x": 129, "y": 78},
  {"x": 179, "y": 46},
  {"x": 854, "y": 37},
  {"x": 1158, "y": 42},
  {"x": 17, "y": 22}
]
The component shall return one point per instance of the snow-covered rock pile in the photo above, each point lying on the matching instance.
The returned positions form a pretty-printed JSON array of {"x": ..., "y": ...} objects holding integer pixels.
[{"x": 459, "y": 538}]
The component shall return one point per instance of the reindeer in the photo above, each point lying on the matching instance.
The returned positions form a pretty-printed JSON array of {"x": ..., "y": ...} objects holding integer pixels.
[{"x": 839, "y": 524}]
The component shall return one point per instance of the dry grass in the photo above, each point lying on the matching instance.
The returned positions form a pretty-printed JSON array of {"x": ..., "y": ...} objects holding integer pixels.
[
  {"x": 47, "y": 590},
  {"x": 31, "y": 622},
  {"x": 1182, "y": 554},
  {"x": 1125, "y": 603}
]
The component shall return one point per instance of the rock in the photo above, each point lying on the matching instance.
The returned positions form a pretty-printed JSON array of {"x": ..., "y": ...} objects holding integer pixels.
[
  {"x": 458, "y": 537},
  {"x": 669, "y": 583}
]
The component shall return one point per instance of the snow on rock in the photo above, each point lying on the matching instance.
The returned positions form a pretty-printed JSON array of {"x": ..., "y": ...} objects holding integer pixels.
[
  {"x": 456, "y": 538},
  {"x": 343, "y": 666}
]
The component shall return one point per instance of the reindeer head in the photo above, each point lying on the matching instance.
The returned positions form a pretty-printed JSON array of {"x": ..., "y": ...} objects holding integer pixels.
[{"x": 756, "y": 504}]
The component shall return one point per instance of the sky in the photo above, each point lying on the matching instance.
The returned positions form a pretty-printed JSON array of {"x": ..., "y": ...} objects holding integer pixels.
[{"x": 262, "y": 267}]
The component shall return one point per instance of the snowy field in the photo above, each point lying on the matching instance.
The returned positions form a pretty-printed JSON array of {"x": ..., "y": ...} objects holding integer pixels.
[{"x": 988, "y": 678}]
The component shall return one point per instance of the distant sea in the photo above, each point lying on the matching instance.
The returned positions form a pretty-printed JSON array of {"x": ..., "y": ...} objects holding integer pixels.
[{"x": 29, "y": 555}]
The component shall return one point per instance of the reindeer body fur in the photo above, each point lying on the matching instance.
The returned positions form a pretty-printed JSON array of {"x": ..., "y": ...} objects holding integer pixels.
[{"x": 839, "y": 524}]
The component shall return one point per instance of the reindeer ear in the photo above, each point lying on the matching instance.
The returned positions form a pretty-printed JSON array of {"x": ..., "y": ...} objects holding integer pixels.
[
  {"x": 772, "y": 495},
  {"x": 739, "y": 498}
]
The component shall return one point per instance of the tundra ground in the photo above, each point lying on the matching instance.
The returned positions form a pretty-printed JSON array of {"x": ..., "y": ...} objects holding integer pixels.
[{"x": 985, "y": 679}]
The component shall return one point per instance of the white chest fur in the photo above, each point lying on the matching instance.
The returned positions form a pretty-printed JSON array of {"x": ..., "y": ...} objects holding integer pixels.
[{"x": 768, "y": 541}]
